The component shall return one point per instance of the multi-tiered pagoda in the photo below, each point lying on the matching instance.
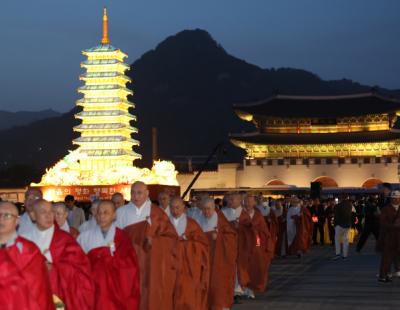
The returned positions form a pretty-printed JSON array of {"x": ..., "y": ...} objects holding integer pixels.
[
  {"x": 102, "y": 163},
  {"x": 105, "y": 139}
]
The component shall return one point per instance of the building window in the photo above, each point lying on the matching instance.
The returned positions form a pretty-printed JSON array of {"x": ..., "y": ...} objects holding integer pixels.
[
  {"x": 292, "y": 161},
  {"x": 377, "y": 160},
  {"x": 341, "y": 161},
  {"x": 329, "y": 161},
  {"x": 354, "y": 160},
  {"x": 367, "y": 160},
  {"x": 317, "y": 161},
  {"x": 280, "y": 162},
  {"x": 269, "y": 162}
]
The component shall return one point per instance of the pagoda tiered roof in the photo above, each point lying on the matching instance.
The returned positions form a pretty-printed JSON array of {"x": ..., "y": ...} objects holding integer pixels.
[
  {"x": 285, "y": 106},
  {"x": 101, "y": 48},
  {"x": 111, "y": 152},
  {"x": 106, "y": 74},
  {"x": 106, "y": 139},
  {"x": 104, "y": 87},
  {"x": 101, "y": 126},
  {"x": 105, "y": 113},
  {"x": 104, "y": 49},
  {"x": 111, "y": 100}
]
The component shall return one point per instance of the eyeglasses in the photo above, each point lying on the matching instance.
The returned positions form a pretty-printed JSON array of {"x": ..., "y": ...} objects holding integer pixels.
[
  {"x": 30, "y": 197},
  {"x": 8, "y": 216}
]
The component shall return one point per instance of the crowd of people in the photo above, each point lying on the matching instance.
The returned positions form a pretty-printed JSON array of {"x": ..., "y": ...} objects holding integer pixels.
[{"x": 170, "y": 254}]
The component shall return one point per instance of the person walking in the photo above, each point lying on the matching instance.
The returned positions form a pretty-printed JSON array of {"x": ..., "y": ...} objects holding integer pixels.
[{"x": 343, "y": 221}]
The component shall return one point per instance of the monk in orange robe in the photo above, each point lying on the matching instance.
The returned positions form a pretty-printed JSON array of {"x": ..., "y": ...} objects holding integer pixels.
[
  {"x": 299, "y": 228},
  {"x": 69, "y": 267},
  {"x": 222, "y": 239},
  {"x": 60, "y": 216},
  {"x": 257, "y": 250},
  {"x": 24, "y": 283},
  {"x": 154, "y": 239},
  {"x": 191, "y": 288},
  {"x": 271, "y": 221},
  {"x": 241, "y": 223}
]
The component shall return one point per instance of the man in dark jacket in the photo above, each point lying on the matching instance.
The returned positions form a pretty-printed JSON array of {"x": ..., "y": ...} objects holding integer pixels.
[
  {"x": 385, "y": 196},
  {"x": 318, "y": 218},
  {"x": 371, "y": 223},
  {"x": 389, "y": 236},
  {"x": 343, "y": 220}
]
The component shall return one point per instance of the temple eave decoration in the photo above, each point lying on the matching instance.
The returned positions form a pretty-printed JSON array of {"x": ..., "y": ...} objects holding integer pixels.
[{"x": 360, "y": 125}]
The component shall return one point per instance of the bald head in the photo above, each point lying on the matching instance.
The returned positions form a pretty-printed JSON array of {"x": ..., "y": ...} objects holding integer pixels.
[
  {"x": 250, "y": 201},
  {"x": 118, "y": 200},
  {"x": 31, "y": 195},
  {"x": 164, "y": 200},
  {"x": 9, "y": 220},
  {"x": 139, "y": 193},
  {"x": 177, "y": 206},
  {"x": 42, "y": 213},
  {"x": 9, "y": 206},
  {"x": 234, "y": 200},
  {"x": 60, "y": 213},
  {"x": 106, "y": 214},
  {"x": 208, "y": 207}
]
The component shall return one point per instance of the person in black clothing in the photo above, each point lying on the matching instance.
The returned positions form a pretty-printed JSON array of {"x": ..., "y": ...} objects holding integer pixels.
[
  {"x": 385, "y": 196},
  {"x": 371, "y": 222},
  {"x": 218, "y": 203},
  {"x": 318, "y": 217},
  {"x": 359, "y": 205}
]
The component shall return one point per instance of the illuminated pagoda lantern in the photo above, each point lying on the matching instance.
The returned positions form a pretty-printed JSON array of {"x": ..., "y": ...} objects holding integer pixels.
[
  {"x": 105, "y": 130},
  {"x": 346, "y": 141},
  {"x": 103, "y": 161}
]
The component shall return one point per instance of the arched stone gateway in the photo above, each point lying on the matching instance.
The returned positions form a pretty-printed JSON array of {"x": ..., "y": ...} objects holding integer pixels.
[
  {"x": 326, "y": 182},
  {"x": 274, "y": 182},
  {"x": 371, "y": 183}
]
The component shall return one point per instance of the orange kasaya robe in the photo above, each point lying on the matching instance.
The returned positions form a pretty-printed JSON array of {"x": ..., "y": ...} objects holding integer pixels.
[
  {"x": 191, "y": 288},
  {"x": 273, "y": 227},
  {"x": 70, "y": 274},
  {"x": 157, "y": 263},
  {"x": 116, "y": 275},
  {"x": 255, "y": 251},
  {"x": 223, "y": 255},
  {"x": 304, "y": 228},
  {"x": 24, "y": 283}
]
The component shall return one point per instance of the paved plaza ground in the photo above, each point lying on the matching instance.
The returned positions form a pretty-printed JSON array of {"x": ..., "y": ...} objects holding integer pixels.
[{"x": 317, "y": 282}]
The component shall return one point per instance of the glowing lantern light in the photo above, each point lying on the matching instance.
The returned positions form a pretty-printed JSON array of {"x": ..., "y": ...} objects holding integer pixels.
[{"x": 104, "y": 155}]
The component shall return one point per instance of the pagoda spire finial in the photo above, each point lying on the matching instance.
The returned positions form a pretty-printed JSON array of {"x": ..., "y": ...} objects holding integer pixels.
[{"x": 105, "y": 39}]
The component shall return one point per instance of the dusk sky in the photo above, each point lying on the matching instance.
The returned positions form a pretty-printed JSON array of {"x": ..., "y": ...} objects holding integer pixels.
[{"x": 41, "y": 40}]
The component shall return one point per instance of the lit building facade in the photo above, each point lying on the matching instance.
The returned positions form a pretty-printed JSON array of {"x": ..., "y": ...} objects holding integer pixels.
[{"x": 340, "y": 141}]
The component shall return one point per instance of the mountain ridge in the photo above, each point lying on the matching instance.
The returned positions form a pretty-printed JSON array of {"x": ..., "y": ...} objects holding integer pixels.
[
  {"x": 185, "y": 87},
  {"x": 13, "y": 119}
]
